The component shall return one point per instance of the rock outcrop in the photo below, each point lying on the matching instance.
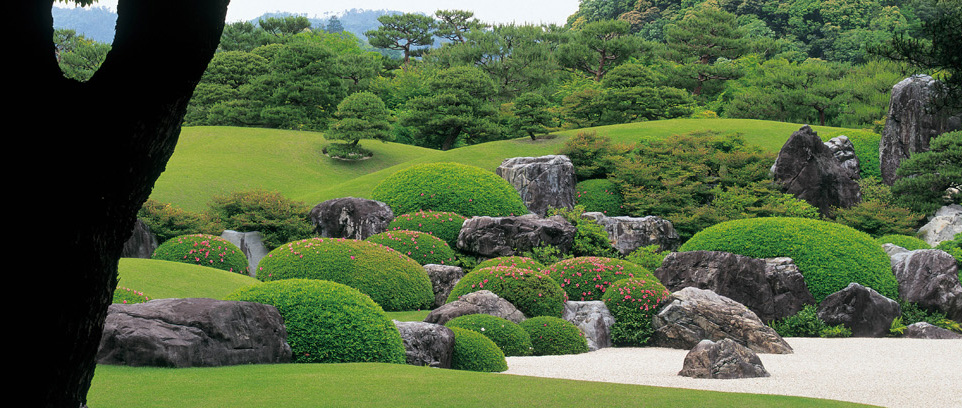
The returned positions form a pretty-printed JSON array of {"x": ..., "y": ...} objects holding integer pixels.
[
  {"x": 543, "y": 182},
  {"x": 943, "y": 226},
  {"x": 594, "y": 320},
  {"x": 844, "y": 151},
  {"x": 427, "y": 344},
  {"x": 350, "y": 217},
  {"x": 630, "y": 233},
  {"x": 725, "y": 359},
  {"x": 492, "y": 237},
  {"x": 251, "y": 244},
  {"x": 443, "y": 279},
  {"x": 924, "y": 330},
  {"x": 482, "y": 301},
  {"x": 141, "y": 244},
  {"x": 929, "y": 277},
  {"x": 863, "y": 310},
  {"x": 808, "y": 169}
]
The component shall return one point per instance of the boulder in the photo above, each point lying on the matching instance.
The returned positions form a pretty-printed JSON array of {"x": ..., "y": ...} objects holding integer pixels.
[
  {"x": 844, "y": 151},
  {"x": 698, "y": 314},
  {"x": 863, "y": 310},
  {"x": 482, "y": 301},
  {"x": 943, "y": 226},
  {"x": 492, "y": 237},
  {"x": 194, "y": 332},
  {"x": 543, "y": 182},
  {"x": 141, "y": 243},
  {"x": 594, "y": 320},
  {"x": 725, "y": 359},
  {"x": 251, "y": 244},
  {"x": 427, "y": 344},
  {"x": 929, "y": 277},
  {"x": 925, "y": 330},
  {"x": 352, "y": 218},
  {"x": 443, "y": 279},
  {"x": 808, "y": 169},
  {"x": 630, "y": 233},
  {"x": 892, "y": 249}
]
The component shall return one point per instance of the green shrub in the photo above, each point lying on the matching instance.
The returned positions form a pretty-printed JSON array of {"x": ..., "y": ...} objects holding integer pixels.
[
  {"x": 591, "y": 239},
  {"x": 420, "y": 246},
  {"x": 328, "y": 322},
  {"x": 546, "y": 255},
  {"x": 474, "y": 352},
  {"x": 167, "y": 221},
  {"x": 129, "y": 296},
  {"x": 515, "y": 261},
  {"x": 346, "y": 151},
  {"x": 533, "y": 293},
  {"x": 444, "y": 225},
  {"x": 449, "y": 187},
  {"x": 904, "y": 241},
  {"x": 913, "y": 313},
  {"x": 600, "y": 195},
  {"x": 954, "y": 248},
  {"x": 277, "y": 218},
  {"x": 806, "y": 323},
  {"x": 633, "y": 302},
  {"x": 552, "y": 336},
  {"x": 205, "y": 250},
  {"x": 587, "y": 277},
  {"x": 591, "y": 154},
  {"x": 508, "y": 335},
  {"x": 392, "y": 279},
  {"x": 648, "y": 257},
  {"x": 829, "y": 255}
]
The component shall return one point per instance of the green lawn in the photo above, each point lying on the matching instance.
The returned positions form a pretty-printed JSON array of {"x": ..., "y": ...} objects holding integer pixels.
[{"x": 165, "y": 279}]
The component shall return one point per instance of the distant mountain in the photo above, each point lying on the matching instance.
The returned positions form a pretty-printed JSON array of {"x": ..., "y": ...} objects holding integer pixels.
[{"x": 95, "y": 23}]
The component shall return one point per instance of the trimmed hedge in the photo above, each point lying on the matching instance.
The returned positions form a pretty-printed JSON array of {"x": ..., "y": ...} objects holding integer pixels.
[
  {"x": 587, "y": 277},
  {"x": 904, "y": 241},
  {"x": 328, "y": 322},
  {"x": 633, "y": 302},
  {"x": 450, "y": 187},
  {"x": 533, "y": 293},
  {"x": 474, "y": 352},
  {"x": 442, "y": 224},
  {"x": 552, "y": 336},
  {"x": 513, "y": 261},
  {"x": 392, "y": 279},
  {"x": 205, "y": 250},
  {"x": 508, "y": 335},
  {"x": 600, "y": 195},
  {"x": 829, "y": 255},
  {"x": 420, "y": 246}
]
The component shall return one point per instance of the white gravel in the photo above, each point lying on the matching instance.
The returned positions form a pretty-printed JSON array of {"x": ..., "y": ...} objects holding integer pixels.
[{"x": 889, "y": 372}]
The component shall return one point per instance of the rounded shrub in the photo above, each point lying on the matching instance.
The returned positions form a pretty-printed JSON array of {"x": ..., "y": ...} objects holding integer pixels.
[
  {"x": 392, "y": 279},
  {"x": 829, "y": 255},
  {"x": 600, "y": 195},
  {"x": 449, "y": 187},
  {"x": 904, "y": 241},
  {"x": 551, "y": 336},
  {"x": 474, "y": 352},
  {"x": 129, "y": 296},
  {"x": 588, "y": 277},
  {"x": 204, "y": 250},
  {"x": 533, "y": 293},
  {"x": 328, "y": 322},
  {"x": 508, "y": 335},
  {"x": 442, "y": 224},
  {"x": 633, "y": 302},
  {"x": 420, "y": 246},
  {"x": 514, "y": 261}
]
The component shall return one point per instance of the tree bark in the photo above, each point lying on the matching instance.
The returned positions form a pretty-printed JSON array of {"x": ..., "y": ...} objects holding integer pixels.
[{"x": 102, "y": 144}]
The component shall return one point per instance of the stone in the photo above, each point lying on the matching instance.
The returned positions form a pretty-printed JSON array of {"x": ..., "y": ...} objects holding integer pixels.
[
  {"x": 892, "y": 249},
  {"x": 844, "y": 151},
  {"x": 925, "y": 330},
  {"x": 771, "y": 288},
  {"x": 725, "y": 359},
  {"x": 543, "y": 182},
  {"x": 698, "y": 314},
  {"x": 193, "y": 332},
  {"x": 352, "y": 218},
  {"x": 594, "y": 319},
  {"x": 443, "y": 279},
  {"x": 492, "y": 237},
  {"x": 141, "y": 244},
  {"x": 809, "y": 170},
  {"x": 929, "y": 278},
  {"x": 480, "y": 302},
  {"x": 427, "y": 344},
  {"x": 943, "y": 226},
  {"x": 251, "y": 244},
  {"x": 861, "y": 309},
  {"x": 630, "y": 233}
]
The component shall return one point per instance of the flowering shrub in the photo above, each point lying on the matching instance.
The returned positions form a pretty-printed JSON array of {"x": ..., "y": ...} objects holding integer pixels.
[
  {"x": 420, "y": 246},
  {"x": 600, "y": 195},
  {"x": 588, "y": 277},
  {"x": 129, "y": 296},
  {"x": 204, "y": 250},
  {"x": 551, "y": 336},
  {"x": 633, "y": 302},
  {"x": 515, "y": 261},
  {"x": 442, "y": 224},
  {"x": 511, "y": 338},
  {"x": 904, "y": 241},
  {"x": 328, "y": 322},
  {"x": 533, "y": 293},
  {"x": 392, "y": 279},
  {"x": 475, "y": 352}
]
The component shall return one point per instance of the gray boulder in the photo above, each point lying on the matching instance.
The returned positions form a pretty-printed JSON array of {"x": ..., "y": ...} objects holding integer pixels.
[
  {"x": 863, "y": 310},
  {"x": 193, "y": 332},
  {"x": 929, "y": 277},
  {"x": 427, "y": 344},
  {"x": 725, "y": 359},
  {"x": 943, "y": 226},
  {"x": 808, "y": 169},
  {"x": 543, "y": 182},
  {"x": 480, "y": 302},
  {"x": 594, "y": 320},
  {"x": 352, "y": 218},
  {"x": 443, "y": 279},
  {"x": 492, "y": 237},
  {"x": 630, "y": 233},
  {"x": 844, "y": 152},
  {"x": 141, "y": 244},
  {"x": 925, "y": 330},
  {"x": 251, "y": 244}
]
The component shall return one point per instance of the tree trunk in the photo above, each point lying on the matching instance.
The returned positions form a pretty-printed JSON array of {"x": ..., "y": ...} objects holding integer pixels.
[{"x": 102, "y": 144}]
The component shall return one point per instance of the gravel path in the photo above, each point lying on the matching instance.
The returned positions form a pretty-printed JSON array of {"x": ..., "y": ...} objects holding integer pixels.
[{"x": 889, "y": 372}]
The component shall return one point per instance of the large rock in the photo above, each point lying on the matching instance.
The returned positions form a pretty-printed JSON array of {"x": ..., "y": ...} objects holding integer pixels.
[
  {"x": 698, "y": 314},
  {"x": 863, "y": 310},
  {"x": 944, "y": 225},
  {"x": 427, "y": 344},
  {"x": 844, "y": 151},
  {"x": 443, "y": 279},
  {"x": 251, "y": 244},
  {"x": 493, "y": 237},
  {"x": 193, "y": 332},
  {"x": 594, "y": 319},
  {"x": 141, "y": 244},
  {"x": 929, "y": 277},
  {"x": 925, "y": 330},
  {"x": 480, "y": 302},
  {"x": 771, "y": 288},
  {"x": 808, "y": 169},
  {"x": 630, "y": 233},
  {"x": 911, "y": 123},
  {"x": 352, "y": 218},
  {"x": 544, "y": 182},
  {"x": 725, "y": 359}
]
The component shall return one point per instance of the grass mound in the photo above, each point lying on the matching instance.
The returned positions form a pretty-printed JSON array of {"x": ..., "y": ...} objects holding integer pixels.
[
  {"x": 442, "y": 224},
  {"x": 508, "y": 335},
  {"x": 513, "y": 261},
  {"x": 551, "y": 336},
  {"x": 474, "y": 352},
  {"x": 420, "y": 246},
  {"x": 600, "y": 195},
  {"x": 204, "y": 250}
]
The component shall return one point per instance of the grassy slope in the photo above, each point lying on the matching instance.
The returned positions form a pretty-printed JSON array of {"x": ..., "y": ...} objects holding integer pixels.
[{"x": 165, "y": 279}]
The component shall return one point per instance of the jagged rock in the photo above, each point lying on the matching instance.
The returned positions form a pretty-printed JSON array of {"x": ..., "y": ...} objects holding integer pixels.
[
  {"x": 352, "y": 218},
  {"x": 892, "y": 249},
  {"x": 809, "y": 170},
  {"x": 844, "y": 151},
  {"x": 493, "y": 237},
  {"x": 944, "y": 225},
  {"x": 141, "y": 244},
  {"x": 925, "y": 330},
  {"x": 544, "y": 182},
  {"x": 630, "y": 233},
  {"x": 929, "y": 277},
  {"x": 193, "y": 332},
  {"x": 427, "y": 344},
  {"x": 443, "y": 279},
  {"x": 725, "y": 359},
  {"x": 482, "y": 301},
  {"x": 594, "y": 320},
  {"x": 863, "y": 310},
  {"x": 251, "y": 244},
  {"x": 698, "y": 314}
]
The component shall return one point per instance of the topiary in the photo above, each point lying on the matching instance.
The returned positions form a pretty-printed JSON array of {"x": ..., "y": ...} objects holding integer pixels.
[
  {"x": 513, "y": 261},
  {"x": 204, "y": 250},
  {"x": 829, "y": 255},
  {"x": 392, "y": 279},
  {"x": 442, "y": 224},
  {"x": 533, "y": 293},
  {"x": 587, "y": 277},
  {"x": 552, "y": 336},
  {"x": 511, "y": 338},
  {"x": 129, "y": 296},
  {"x": 600, "y": 195},
  {"x": 904, "y": 241},
  {"x": 633, "y": 302},
  {"x": 328, "y": 322},
  {"x": 420, "y": 246},
  {"x": 474, "y": 352},
  {"x": 450, "y": 187}
]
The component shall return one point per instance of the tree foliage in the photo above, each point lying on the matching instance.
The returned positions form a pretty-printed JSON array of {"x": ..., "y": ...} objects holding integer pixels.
[{"x": 929, "y": 180}]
